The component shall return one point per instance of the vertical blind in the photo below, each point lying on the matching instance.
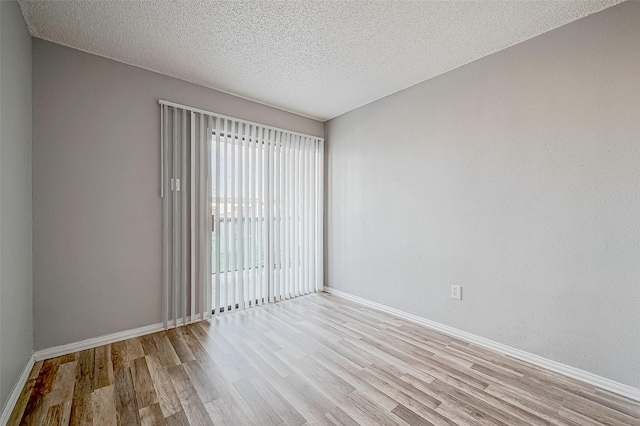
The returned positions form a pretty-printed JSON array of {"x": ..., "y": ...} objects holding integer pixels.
[{"x": 242, "y": 214}]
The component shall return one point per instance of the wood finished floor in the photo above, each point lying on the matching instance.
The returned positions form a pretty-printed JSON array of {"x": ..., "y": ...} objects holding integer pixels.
[{"x": 317, "y": 359}]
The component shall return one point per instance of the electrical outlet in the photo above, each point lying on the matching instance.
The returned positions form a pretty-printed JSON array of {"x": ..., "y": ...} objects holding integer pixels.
[{"x": 456, "y": 292}]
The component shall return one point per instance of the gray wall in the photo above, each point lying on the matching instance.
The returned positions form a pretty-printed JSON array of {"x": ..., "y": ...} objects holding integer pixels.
[
  {"x": 516, "y": 176},
  {"x": 16, "y": 327},
  {"x": 97, "y": 209}
]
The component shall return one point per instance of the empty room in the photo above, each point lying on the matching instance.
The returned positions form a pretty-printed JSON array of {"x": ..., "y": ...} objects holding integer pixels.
[{"x": 353, "y": 212}]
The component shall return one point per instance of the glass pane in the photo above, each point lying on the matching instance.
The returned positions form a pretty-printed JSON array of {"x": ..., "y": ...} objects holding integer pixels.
[{"x": 240, "y": 219}]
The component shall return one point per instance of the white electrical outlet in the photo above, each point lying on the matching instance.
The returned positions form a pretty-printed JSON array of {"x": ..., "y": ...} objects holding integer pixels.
[{"x": 456, "y": 292}]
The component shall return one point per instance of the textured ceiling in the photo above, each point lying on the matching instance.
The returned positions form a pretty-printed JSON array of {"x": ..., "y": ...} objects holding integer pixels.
[{"x": 316, "y": 58}]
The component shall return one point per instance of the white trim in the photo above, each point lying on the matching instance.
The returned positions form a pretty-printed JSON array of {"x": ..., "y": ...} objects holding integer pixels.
[
  {"x": 574, "y": 373},
  {"x": 15, "y": 392},
  {"x": 96, "y": 341}
]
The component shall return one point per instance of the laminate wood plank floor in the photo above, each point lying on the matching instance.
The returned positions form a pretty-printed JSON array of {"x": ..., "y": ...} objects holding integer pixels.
[{"x": 317, "y": 359}]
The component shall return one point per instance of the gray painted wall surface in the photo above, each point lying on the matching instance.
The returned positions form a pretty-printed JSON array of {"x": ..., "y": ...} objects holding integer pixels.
[
  {"x": 97, "y": 209},
  {"x": 517, "y": 177},
  {"x": 16, "y": 326}
]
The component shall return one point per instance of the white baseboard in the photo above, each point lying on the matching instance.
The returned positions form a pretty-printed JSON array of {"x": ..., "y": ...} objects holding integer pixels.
[
  {"x": 574, "y": 373},
  {"x": 104, "y": 340},
  {"x": 15, "y": 392},
  {"x": 96, "y": 341}
]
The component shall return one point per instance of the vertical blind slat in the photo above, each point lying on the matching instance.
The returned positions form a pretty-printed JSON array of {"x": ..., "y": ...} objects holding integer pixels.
[
  {"x": 218, "y": 217},
  {"x": 165, "y": 216},
  {"x": 240, "y": 225},
  {"x": 301, "y": 216},
  {"x": 279, "y": 218},
  {"x": 208, "y": 219},
  {"x": 183, "y": 222},
  {"x": 252, "y": 223},
  {"x": 320, "y": 220},
  {"x": 200, "y": 212},
  {"x": 247, "y": 222},
  {"x": 310, "y": 201},
  {"x": 260, "y": 182},
  {"x": 269, "y": 214},
  {"x": 233, "y": 254},
  {"x": 305, "y": 214},
  {"x": 238, "y": 218},
  {"x": 192, "y": 222},
  {"x": 296, "y": 216},
  {"x": 274, "y": 216},
  {"x": 291, "y": 216},
  {"x": 176, "y": 224},
  {"x": 264, "y": 216},
  {"x": 285, "y": 216},
  {"x": 225, "y": 217},
  {"x": 269, "y": 198},
  {"x": 311, "y": 216},
  {"x": 292, "y": 225}
]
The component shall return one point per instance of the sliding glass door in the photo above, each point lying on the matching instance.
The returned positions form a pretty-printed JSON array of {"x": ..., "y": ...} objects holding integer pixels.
[
  {"x": 265, "y": 211},
  {"x": 239, "y": 225},
  {"x": 241, "y": 214}
]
